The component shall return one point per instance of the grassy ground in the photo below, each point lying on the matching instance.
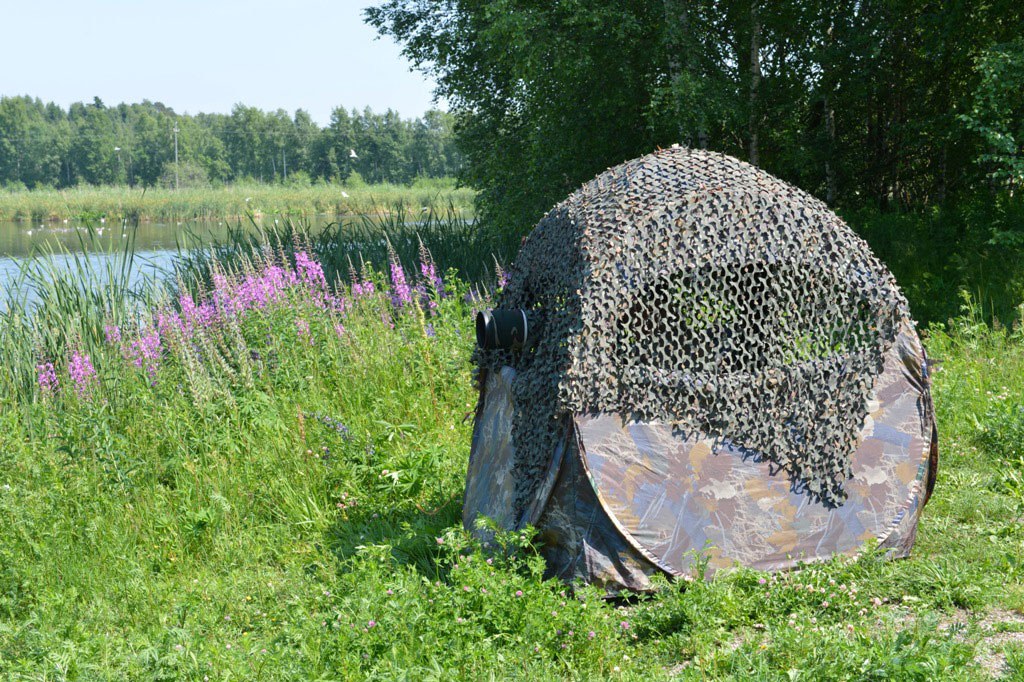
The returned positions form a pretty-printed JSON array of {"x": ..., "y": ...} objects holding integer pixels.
[
  {"x": 272, "y": 496},
  {"x": 231, "y": 201}
]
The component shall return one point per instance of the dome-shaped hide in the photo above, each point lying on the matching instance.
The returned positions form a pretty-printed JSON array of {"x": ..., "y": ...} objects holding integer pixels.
[{"x": 714, "y": 363}]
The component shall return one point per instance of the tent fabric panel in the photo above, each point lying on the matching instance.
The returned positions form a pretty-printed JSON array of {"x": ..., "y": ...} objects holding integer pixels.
[
  {"x": 672, "y": 494},
  {"x": 490, "y": 481},
  {"x": 491, "y": 478},
  {"x": 578, "y": 540}
]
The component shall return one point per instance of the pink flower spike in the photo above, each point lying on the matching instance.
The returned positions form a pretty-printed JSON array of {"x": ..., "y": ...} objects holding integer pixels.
[
  {"x": 81, "y": 371},
  {"x": 47, "y": 378},
  {"x": 112, "y": 333}
]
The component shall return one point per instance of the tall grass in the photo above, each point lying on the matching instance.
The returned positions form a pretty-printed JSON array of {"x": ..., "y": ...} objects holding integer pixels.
[
  {"x": 455, "y": 241},
  {"x": 62, "y": 299},
  {"x": 230, "y": 201}
]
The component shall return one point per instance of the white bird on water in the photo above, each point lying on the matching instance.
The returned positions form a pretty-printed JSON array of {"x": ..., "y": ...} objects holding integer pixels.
[{"x": 352, "y": 154}]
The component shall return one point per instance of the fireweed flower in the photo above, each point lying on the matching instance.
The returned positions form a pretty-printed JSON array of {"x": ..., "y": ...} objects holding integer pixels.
[
  {"x": 429, "y": 271},
  {"x": 401, "y": 294},
  {"x": 47, "y": 378},
  {"x": 364, "y": 288},
  {"x": 310, "y": 271},
  {"x": 112, "y": 333},
  {"x": 339, "y": 329},
  {"x": 81, "y": 371},
  {"x": 189, "y": 312},
  {"x": 144, "y": 352},
  {"x": 168, "y": 323}
]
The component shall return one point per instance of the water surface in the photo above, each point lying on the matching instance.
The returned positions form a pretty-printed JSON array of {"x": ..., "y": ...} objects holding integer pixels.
[{"x": 156, "y": 244}]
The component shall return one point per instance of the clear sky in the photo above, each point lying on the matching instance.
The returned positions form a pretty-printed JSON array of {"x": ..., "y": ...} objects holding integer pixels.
[{"x": 206, "y": 55}]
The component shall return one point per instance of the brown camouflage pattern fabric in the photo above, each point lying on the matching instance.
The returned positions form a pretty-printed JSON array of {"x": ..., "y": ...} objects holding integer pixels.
[{"x": 621, "y": 501}]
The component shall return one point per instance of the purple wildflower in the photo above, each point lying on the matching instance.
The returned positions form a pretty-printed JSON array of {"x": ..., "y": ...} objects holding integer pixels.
[
  {"x": 144, "y": 352},
  {"x": 364, "y": 288},
  {"x": 339, "y": 329},
  {"x": 430, "y": 331},
  {"x": 112, "y": 333},
  {"x": 81, "y": 371},
  {"x": 221, "y": 290},
  {"x": 310, "y": 271},
  {"x": 424, "y": 297},
  {"x": 47, "y": 378},
  {"x": 168, "y": 323},
  {"x": 401, "y": 293},
  {"x": 429, "y": 271}
]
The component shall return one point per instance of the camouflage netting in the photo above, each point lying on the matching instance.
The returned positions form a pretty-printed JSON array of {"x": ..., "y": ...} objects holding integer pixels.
[{"x": 692, "y": 288}]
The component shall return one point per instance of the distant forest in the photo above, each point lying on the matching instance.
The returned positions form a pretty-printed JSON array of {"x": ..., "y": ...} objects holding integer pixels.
[{"x": 44, "y": 145}]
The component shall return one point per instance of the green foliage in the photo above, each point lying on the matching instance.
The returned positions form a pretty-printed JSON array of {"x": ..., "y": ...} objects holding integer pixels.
[
  {"x": 997, "y": 115},
  {"x": 972, "y": 247},
  {"x": 857, "y": 103},
  {"x": 188, "y": 175},
  {"x": 42, "y": 145}
]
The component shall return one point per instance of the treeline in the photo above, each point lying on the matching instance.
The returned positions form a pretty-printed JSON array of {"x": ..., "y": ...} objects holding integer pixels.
[
  {"x": 44, "y": 145},
  {"x": 895, "y": 105}
]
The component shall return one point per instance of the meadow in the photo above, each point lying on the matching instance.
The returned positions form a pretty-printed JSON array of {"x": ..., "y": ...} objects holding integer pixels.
[
  {"x": 255, "y": 472},
  {"x": 154, "y": 204}
]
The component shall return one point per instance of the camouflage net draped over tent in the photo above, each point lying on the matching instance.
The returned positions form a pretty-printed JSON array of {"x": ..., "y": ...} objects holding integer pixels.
[{"x": 689, "y": 288}]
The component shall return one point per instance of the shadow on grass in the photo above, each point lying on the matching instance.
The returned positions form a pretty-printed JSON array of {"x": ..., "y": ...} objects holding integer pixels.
[{"x": 408, "y": 535}]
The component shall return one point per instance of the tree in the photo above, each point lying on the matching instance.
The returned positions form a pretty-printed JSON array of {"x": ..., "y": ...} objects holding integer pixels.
[
  {"x": 135, "y": 143},
  {"x": 853, "y": 101},
  {"x": 997, "y": 112}
]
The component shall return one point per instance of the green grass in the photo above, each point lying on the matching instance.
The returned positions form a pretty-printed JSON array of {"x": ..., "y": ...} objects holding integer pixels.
[
  {"x": 214, "y": 525},
  {"x": 230, "y": 201}
]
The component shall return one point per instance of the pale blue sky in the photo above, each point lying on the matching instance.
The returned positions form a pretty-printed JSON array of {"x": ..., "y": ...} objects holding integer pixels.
[{"x": 196, "y": 55}]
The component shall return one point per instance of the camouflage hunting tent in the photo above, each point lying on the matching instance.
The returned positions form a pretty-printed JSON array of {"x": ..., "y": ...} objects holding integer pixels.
[{"x": 691, "y": 355}]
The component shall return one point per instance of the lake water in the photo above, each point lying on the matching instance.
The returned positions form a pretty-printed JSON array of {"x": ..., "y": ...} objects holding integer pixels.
[{"x": 156, "y": 244}]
